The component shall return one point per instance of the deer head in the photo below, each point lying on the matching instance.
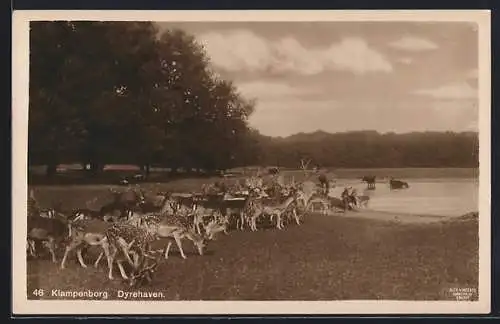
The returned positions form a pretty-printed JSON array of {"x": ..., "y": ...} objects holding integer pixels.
[
  {"x": 304, "y": 164},
  {"x": 212, "y": 228},
  {"x": 143, "y": 273},
  {"x": 175, "y": 206}
]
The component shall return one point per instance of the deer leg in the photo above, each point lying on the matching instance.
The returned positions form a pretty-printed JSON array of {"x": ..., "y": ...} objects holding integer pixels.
[
  {"x": 96, "y": 263},
  {"x": 110, "y": 258},
  {"x": 284, "y": 219},
  {"x": 126, "y": 251},
  {"x": 253, "y": 220},
  {"x": 31, "y": 247},
  {"x": 296, "y": 216},
  {"x": 70, "y": 247},
  {"x": 80, "y": 258},
  {"x": 167, "y": 249},
  {"x": 198, "y": 230},
  {"x": 52, "y": 248},
  {"x": 325, "y": 208},
  {"x": 135, "y": 256},
  {"x": 70, "y": 231},
  {"x": 281, "y": 219},
  {"x": 276, "y": 214},
  {"x": 179, "y": 245},
  {"x": 122, "y": 270},
  {"x": 240, "y": 221}
]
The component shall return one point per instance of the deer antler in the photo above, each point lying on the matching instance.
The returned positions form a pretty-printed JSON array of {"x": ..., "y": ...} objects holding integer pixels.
[
  {"x": 304, "y": 164},
  {"x": 173, "y": 206}
]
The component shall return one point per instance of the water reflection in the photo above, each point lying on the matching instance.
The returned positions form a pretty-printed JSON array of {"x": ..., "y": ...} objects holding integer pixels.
[{"x": 446, "y": 197}]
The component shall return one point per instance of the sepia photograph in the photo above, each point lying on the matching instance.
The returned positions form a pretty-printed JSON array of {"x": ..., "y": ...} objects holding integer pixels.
[{"x": 259, "y": 162}]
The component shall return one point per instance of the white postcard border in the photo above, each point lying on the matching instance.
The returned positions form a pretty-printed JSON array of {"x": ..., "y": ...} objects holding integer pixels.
[{"x": 20, "y": 80}]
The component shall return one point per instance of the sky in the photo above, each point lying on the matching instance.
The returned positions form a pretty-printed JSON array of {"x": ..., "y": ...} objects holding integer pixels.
[{"x": 345, "y": 76}]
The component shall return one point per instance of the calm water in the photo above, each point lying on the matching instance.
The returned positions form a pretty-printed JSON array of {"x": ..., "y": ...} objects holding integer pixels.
[{"x": 446, "y": 197}]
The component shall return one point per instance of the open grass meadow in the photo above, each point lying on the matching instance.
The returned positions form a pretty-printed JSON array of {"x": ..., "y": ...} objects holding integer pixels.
[{"x": 326, "y": 258}]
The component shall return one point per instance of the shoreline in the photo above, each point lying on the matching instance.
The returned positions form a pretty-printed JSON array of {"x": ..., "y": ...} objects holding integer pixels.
[
  {"x": 395, "y": 217},
  {"x": 339, "y": 182}
]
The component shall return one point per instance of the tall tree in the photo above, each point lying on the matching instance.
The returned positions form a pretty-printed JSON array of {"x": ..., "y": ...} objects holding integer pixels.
[{"x": 88, "y": 81}]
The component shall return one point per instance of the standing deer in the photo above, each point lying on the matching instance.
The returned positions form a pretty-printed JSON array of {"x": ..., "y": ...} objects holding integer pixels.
[{"x": 370, "y": 181}]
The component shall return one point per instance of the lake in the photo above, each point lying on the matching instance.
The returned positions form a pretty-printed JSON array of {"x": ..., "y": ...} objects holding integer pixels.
[{"x": 444, "y": 197}]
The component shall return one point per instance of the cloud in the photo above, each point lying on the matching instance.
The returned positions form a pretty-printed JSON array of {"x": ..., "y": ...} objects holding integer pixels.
[
  {"x": 290, "y": 115},
  {"x": 472, "y": 127},
  {"x": 405, "y": 60},
  {"x": 455, "y": 114},
  {"x": 413, "y": 44},
  {"x": 243, "y": 50},
  {"x": 272, "y": 90},
  {"x": 472, "y": 74},
  {"x": 459, "y": 90}
]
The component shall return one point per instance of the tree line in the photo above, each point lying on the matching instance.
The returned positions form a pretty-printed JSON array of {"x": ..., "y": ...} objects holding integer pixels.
[
  {"x": 370, "y": 149},
  {"x": 122, "y": 92}
]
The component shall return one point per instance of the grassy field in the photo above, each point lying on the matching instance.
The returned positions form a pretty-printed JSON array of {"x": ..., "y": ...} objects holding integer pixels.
[{"x": 326, "y": 258}]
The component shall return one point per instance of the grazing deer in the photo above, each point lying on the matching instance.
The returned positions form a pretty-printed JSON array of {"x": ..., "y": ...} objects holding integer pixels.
[
  {"x": 370, "y": 181},
  {"x": 252, "y": 205},
  {"x": 272, "y": 211},
  {"x": 47, "y": 231},
  {"x": 234, "y": 207},
  {"x": 128, "y": 240},
  {"x": 397, "y": 184},
  {"x": 362, "y": 201},
  {"x": 30, "y": 247},
  {"x": 143, "y": 273},
  {"x": 151, "y": 204},
  {"x": 337, "y": 203},
  {"x": 84, "y": 235},
  {"x": 177, "y": 227},
  {"x": 34, "y": 208},
  {"x": 327, "y": 203},
  {"x": 82, "y": 214},
  {"x": 120, "y": 206},
  {"x": 213, "y": 228},
  {"x": 47, "y": 213},
  {"x": 218, "y": 207},
  {"x": 117, "y": 242},
  {"x": 200, "y": 213}
]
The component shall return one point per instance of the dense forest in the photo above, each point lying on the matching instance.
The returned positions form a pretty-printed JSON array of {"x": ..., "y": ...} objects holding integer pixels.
[
  {"x": 122, "y": 92},
  {"x": 370, "y": 149}
]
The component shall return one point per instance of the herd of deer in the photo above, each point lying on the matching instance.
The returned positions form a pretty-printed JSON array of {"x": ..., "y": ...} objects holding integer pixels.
[{"x": 126, "y": 228}]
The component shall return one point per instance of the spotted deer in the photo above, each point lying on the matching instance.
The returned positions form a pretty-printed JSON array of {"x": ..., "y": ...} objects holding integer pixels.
[
  {"x": 275, "y": 211},
  {"x": 177, "y": 227},
  {"x": 47, "y": 231},
  {"x": 129, "y": 243},
  {"x": 143, "y": 274},
  {"x": 85, "y": 234}
]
